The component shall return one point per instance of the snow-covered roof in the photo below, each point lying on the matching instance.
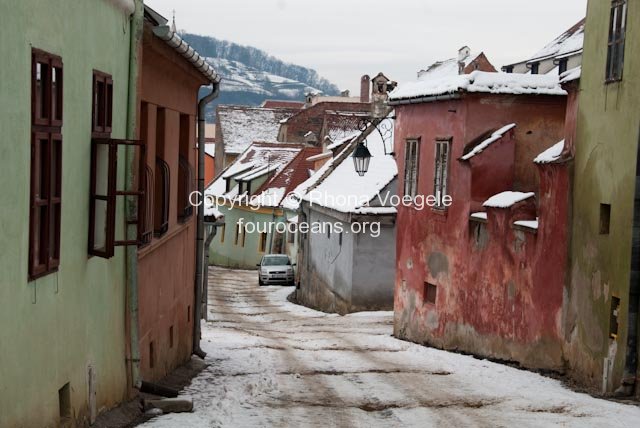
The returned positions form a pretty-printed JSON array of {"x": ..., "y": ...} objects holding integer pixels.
[
  {"x": 480, "y": 81},
  {"x": 448, "y": 67},
  {"x": 507, "y": 199},
  {"x": 486, "y": 143},
  {"x": 531, "y": 224},
  {"x": 255, "y": 159},
  {"x": 571, "y": 75},
  {"x": 338, "y": 186},
  {"x": 550, "y": 155},
  {"x": 479, "y": 216},
  {"x": 320, "y": 156},
  {"x": 241, "y": 125},
  {"x": 210, "y": 210},
  {"x": 568, "y": 43}
]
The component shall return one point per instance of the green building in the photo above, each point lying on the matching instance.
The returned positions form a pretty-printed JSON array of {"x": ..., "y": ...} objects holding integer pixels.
[
  {"x": 252, "y": 195},
  {"x": 601, "y": 319},
  {"x": 65, "y": 78}
]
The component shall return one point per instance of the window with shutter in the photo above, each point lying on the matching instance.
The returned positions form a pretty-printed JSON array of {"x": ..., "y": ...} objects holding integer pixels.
[{"x": 46, "y": 164}]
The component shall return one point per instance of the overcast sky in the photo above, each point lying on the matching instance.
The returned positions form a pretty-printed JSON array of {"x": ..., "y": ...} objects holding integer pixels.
[{"x": 344, "y": 39}]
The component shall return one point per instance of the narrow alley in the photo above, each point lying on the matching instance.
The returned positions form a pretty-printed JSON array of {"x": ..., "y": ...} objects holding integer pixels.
[{"x": 274, "y": 363}]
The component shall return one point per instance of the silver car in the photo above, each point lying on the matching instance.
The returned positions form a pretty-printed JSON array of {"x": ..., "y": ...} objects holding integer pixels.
[{"x": 275, "y": 269}]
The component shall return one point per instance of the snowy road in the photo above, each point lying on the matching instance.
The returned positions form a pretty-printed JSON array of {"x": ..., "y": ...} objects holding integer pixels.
[{"x": 273, "y": 363}]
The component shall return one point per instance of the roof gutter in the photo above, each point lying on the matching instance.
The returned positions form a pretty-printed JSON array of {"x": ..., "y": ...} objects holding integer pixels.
[
  {"x": 200, "y": 283},
  {"x": 428, "y": 99},
  {"x": 172, "y": 38}
]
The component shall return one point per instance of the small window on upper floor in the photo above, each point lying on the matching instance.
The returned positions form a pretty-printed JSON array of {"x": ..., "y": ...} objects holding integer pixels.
[
  {"x": 616, "y": 40},
  {"x": 535, "y": 68},
  {"x": 562, "y": 65},
  {"x": 102, "y": 104}
]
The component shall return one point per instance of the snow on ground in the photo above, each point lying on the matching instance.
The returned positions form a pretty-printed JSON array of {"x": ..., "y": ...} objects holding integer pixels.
[{"x": 273, "y": 363}]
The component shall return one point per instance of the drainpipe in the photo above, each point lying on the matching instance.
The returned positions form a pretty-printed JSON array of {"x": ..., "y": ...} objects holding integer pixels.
[
  {"x": 131, "y": 208},
  {"x": 200, "y": 283}
]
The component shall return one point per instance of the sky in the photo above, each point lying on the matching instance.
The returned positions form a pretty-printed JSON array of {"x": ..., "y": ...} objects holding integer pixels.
[{"x": 344, "y": 39}]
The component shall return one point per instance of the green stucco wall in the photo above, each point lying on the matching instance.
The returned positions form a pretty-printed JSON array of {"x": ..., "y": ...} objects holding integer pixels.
[
  {"x": 605, "y": 169},
  {"x": 53, "y": 328}
]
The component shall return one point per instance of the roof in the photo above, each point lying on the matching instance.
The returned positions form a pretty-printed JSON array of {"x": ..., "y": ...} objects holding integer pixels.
[
  {"x": 339, "y": 187},
  {"x": 312, "y": 118},
  {"x": 571, "y": 75},
  {"x": 507, "y": 199},
  {"x": 240, "y": 126},
  {"x": 478, "y": 148},
  {"x": 478, "y": 81},
  {"x": 255, "y": 159},
  {"x": 567, "y": 44},
  {"x": 282, "y": 104},
  {"x": 171, "y": 38},
  {"x": 294, "y": 173},
  {"x": 550, "y": 155},
  {"x": 339, "y": 125},
  {"x": 448, "y": 67}
]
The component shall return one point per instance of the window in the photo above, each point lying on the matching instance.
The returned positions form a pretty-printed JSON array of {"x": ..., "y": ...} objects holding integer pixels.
[
  {"x": 440, "y": 172},
  {"x": 340, "y": 239},
  {"x": 411, "y": 165},
  {"x": 291, "y": 237},
  {"x": 171, "y": 337},
  {"x": 45, "y": 199},
  {"x": 102, "y": 104},
  {"x": 186, "y": 179},
  {"x": 222, "y": 233},
  {"x": 508, "y": 69},
  {"x": 262, "y": 244},
  {"x": 161, "y": 197},
  {"x": 430, "y": 293},
  {"x": 244, "y": 235},
  {"x": 613, "y": 317},
  {"x": 615, "y": 46},
  {"x": 535, "y": 68},
  {"x": 562, "y": 65},
  {"x": 237, "y": 238},
  {"x": 605, "y": 218}
]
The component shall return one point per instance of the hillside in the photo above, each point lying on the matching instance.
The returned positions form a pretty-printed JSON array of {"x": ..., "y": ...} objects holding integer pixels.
[{"x": 251, "y": 75}]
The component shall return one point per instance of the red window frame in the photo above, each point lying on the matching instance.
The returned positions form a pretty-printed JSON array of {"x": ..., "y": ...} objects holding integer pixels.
[{"x": 45, "y": 195}]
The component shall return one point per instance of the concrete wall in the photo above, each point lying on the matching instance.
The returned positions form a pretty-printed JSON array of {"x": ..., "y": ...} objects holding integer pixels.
[
  {"x": 605, "y": 173},
  {"x": 52, "y": 329},
  {"x": 166, "y": 298}
]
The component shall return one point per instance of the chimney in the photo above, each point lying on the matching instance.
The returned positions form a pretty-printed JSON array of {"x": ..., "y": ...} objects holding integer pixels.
[
  {"x": 365, "y": 85},
  {"x": 463, "y": 54},
  {"x": 345, "y": 94}
]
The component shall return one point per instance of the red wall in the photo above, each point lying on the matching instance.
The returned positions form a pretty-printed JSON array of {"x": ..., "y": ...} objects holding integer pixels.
[
  {"x": 166, "y": 266},
  {"x": 499, "y": 287}
]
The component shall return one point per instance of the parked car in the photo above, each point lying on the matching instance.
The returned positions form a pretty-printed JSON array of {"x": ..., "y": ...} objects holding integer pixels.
[{"x": 275, "y": 269}]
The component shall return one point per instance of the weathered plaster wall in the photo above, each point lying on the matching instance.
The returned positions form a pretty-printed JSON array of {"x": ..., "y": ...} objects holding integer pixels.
[
  {"x": 166, "y": 299},
  {"x": 53, "y": 328},
  {"x": 355, "y": 275},
  {"x": 499, "y": 288},
  {"x": 605, "y": 173}
]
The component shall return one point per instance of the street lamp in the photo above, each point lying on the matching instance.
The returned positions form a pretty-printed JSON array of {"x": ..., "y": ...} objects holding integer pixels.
[{"x": 361, "y": 158}]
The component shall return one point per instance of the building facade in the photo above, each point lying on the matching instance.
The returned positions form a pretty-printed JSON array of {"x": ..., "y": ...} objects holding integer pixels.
[
  {"x": 62, "y": 327},
  {"x": 602, "y": 312},
  {"x": 484, "y": 273}
]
